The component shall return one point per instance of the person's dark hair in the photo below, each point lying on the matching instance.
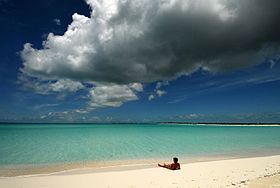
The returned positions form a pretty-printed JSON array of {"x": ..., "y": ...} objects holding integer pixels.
[{"x": 175, "y": 159}]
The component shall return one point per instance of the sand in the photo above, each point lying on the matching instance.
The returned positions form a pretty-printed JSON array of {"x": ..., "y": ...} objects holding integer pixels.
[
  {"x": 272, "y": 181},
  {"x": 242, "y": 172}
]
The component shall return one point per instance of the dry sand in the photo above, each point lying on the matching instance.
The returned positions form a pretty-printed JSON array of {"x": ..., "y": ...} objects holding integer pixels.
[
  {"x": 223, "y": 173},
  {"x": 272, "y": 181}
]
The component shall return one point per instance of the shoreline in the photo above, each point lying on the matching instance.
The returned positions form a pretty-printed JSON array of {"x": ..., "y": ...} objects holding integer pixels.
[
  {"x": 240, "y": 172},
  {"x": 32, "y": 170},
  {"x": 224, "y": 124}
]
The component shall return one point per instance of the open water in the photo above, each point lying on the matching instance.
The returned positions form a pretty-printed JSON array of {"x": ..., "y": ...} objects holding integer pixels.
[{"x": 25, "y": 144}]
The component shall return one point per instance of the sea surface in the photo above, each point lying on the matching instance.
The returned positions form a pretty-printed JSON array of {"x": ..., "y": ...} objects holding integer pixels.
[{"x": 40, "y": 144}]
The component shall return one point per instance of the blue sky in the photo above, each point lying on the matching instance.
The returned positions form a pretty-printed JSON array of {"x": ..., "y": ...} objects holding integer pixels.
[{"x": 123, "y": 61}]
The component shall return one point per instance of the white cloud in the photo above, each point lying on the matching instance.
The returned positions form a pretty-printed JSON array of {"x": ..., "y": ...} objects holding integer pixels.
[
  {"x": 113, "y": 95},
  {"x": 81, "y": 111},
  {"x": 160, "y": 92},
  {"x": 61, "y": 87},
  {"x": 67, "y": 116},
  {"x": 66, "y": 85},
  {"x": 136, "y": 86},
  {"x": 157, "y": 91},
  {"x": 190, "y": 116},
  {"x": 151, "y": 97},
  {"x": 57, "y": 21}
]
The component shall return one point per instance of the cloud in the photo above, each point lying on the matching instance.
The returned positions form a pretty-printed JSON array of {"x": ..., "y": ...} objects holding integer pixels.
[
  {"x": 66, "y": 85},
  {"x": 274, "y": 60},
  {"x": 57, "y": 21},
  {"x": 190, "y": 116},
  {"x": 113, "y": 95},
  {"x": 64, "y": 116},
  {"x": 151, "y": 97},
  {"x": 157, "y": 91},
  {"x": 40, "y": 106},
  {"x": 140, "y": 41},
  {"x": 160, "y": 93},
  {"x": 62, "y": 87}
]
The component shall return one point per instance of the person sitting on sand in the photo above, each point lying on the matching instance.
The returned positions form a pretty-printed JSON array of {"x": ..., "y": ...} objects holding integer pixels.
[{"x": 173, "y": 166}]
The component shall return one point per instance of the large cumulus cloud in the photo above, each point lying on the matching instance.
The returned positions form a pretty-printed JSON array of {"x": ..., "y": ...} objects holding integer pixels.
[{"x": 143, "y": 41}]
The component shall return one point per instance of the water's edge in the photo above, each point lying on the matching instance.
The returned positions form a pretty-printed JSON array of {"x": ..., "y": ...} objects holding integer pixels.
[{"x": 110, "y": 166}]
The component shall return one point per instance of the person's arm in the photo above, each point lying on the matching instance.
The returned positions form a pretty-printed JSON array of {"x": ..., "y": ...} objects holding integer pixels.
[
  {"x": 168, "y": 166},
  {"x": 173, "y": 166}
]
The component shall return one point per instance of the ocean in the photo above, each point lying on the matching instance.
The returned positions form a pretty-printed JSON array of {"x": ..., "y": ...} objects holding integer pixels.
[{"x": 43, "y": 144}]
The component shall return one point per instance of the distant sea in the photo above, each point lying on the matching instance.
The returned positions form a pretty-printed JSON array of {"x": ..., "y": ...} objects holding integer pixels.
[{"x": 43, "y": 144}]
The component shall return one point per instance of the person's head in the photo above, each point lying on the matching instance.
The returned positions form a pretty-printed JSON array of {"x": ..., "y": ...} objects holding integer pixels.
[{"x": 175, "y": 159}]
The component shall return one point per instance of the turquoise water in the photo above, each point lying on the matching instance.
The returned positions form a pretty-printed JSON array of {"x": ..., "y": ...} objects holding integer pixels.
[{"x": 56, "y": 143}]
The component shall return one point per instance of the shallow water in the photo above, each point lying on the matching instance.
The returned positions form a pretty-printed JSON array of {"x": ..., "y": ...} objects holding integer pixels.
[{"x": 22, "y": 144}]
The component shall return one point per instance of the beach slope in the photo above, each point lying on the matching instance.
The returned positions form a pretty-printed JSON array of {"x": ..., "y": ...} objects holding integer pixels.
[{"x": 224, "y": 173}]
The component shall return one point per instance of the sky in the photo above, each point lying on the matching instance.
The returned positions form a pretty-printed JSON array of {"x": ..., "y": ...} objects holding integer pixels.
[{"x": 140, "y": 61}]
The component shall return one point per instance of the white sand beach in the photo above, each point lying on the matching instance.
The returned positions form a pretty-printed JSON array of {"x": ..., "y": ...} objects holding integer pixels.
[
  {"x": 243, "y": 172},
  {"x": 266, "y": 182}
]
